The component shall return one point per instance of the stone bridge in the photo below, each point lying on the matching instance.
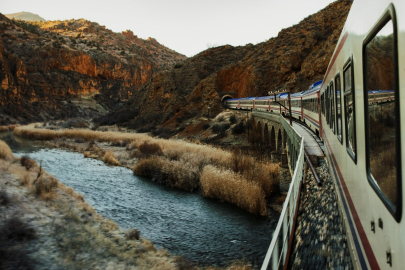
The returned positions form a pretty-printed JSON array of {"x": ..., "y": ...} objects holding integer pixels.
[{"x": 271, "y": 131}]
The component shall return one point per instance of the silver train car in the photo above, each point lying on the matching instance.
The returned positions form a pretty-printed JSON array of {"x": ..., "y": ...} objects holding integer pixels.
[{"x": 356, "y": 110}]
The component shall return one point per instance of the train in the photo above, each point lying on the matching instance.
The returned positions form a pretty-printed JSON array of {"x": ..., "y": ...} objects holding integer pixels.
[{"x": 356, "y": 111}]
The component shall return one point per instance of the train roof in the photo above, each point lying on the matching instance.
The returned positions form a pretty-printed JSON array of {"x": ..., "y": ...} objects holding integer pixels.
[{"x": 316, "y": 85}]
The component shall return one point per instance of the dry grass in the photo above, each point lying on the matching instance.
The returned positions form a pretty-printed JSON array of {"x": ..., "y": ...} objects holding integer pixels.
[
  {"x": 7, "y": 128},
  {"x": 5, "y": 151},
  {"x": 231, "y": 187},
  {"x": 110, "y": 159},
  {"x": 172, "y": 173},
  {"x": 177, "y": 163},
  {"x": 45, "y": 186},
  {"x": 25, "y": 180}
]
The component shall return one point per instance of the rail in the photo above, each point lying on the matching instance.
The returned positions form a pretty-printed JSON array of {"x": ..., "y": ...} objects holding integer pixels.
[{"x": 277, "y": 253}]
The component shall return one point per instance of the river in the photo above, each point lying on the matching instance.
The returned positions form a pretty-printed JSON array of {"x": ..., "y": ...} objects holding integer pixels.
[{"x": 202, "y": 230}]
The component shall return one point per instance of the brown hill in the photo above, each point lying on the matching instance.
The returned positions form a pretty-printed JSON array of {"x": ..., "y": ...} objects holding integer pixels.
[
  {"x": 26, "y": 16},
  {"x": 58, "y": 69},
  {"x": 296, "y": 58}
]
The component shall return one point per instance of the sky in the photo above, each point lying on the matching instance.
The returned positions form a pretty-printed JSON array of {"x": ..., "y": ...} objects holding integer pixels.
[{"x": 186, "y": 26}]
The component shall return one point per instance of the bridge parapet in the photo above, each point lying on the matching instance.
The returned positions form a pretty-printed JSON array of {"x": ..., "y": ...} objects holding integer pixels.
[{"x": 277, "y": 254}]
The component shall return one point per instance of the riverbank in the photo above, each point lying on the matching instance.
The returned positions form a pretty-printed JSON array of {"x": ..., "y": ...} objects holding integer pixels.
[
  {"x": 45, "y": 224},
  {"x": 175, "y": 163},
  {"x": 57, "y": 229}
]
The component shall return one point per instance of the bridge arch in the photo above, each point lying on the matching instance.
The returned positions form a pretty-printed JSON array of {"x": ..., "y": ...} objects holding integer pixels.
[
  {"x": 279, "y": 142},
  {"x": 266, "y": 135},
  {"x": 272, "y": 139}
]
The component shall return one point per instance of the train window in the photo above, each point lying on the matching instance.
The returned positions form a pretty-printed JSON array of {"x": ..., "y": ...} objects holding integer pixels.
[
  {"x": 332, "y": 108},
  {"x": 338, "y": 111},
  {"x": 350, "y": 112},
  {"x": 382, "y": 113}
]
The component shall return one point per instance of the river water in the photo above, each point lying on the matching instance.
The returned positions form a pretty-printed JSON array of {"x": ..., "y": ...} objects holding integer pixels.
[{"x": 202, "y": 230}]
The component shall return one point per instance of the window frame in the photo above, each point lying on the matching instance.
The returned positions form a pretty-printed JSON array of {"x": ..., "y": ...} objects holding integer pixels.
[
  {"x": 349, "y": 63},
  {"x": 340, "y": 137},
  {"x": 389, "y": 15},
  {"x": 332, "y": 107}
]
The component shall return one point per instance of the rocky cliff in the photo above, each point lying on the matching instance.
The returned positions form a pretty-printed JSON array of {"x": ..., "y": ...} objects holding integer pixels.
[
  {"x": 59, "y": 69},
  {"x": 293, "y": 60}
]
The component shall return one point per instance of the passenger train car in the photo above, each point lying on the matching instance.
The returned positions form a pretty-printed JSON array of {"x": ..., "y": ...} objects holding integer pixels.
[{"x": 356, "y": 110}]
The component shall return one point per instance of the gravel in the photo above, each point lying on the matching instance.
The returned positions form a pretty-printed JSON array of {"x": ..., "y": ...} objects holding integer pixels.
[{"x": 320, "y": 237}]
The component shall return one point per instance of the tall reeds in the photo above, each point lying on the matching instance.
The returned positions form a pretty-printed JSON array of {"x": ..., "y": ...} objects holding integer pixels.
[
  {"x": 229, "y": 176},
  {"x": 231, "y": 187}
]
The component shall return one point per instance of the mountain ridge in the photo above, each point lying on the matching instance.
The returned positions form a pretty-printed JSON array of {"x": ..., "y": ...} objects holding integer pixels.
[
  {"x": 185, "y": 95},
  {"x": 72, "y": 68},
  {"x": 26, "y": 16}
]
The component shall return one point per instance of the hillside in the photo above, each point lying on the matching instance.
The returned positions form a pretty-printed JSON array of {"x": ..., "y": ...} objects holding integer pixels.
[
  {"x": 180, "y": 97},
  {"x": 59, "y": 69},
  {"x": 25, "y": 16}
]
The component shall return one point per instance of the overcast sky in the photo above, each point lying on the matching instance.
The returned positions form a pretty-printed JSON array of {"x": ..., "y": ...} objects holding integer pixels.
[{"x": 186, "y": 26}]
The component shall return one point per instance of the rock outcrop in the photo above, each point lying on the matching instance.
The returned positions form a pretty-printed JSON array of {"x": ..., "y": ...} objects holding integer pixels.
[
  {"x": 293, "y": 60},
  {"x": 58, "y": 69}
]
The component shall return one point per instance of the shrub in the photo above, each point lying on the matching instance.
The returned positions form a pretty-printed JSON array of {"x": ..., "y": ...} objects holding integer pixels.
[
  {"x": 206, "y": 126},
  {"x": 148, "y": 149},
  {"x": 44, "y": 186},
  {"x": 239, "y": 128},
  {"x": 4, "y": 198},
  {"x": 110, "y": 159},
  {"x": 27, "y": 162},
  {"x": 133, "y": 234},
  {"x": 220, "y": 128},
  {"x": 232, "y": 119}
]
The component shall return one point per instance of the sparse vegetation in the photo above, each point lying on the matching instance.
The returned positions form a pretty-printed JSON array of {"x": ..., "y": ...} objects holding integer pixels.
[
  {"x": 110, "y": 159},
  {"x": 44, "y": 186},
  {"x": 177, "y": 164}
]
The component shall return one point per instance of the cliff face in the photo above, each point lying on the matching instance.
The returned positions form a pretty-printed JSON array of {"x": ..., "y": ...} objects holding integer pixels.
[
  {"x": 295, "y": 59},
  {"x": 52, "y": 70}
]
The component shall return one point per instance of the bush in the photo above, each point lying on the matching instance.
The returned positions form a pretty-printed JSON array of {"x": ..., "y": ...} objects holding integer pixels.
[
  {"x": 27, "y": 162},
  {"x": 4, "y": 198},
  {"x": 239, "y": 128},
  {"x": 220, "y": 128},
  {"x": 149, "y": 149},
  {"x": 133, "y": 234},
  {"x": 232, "y": 119},
  {"x": 110, "y": 159},
  {"x": 44, "y": 186}
]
